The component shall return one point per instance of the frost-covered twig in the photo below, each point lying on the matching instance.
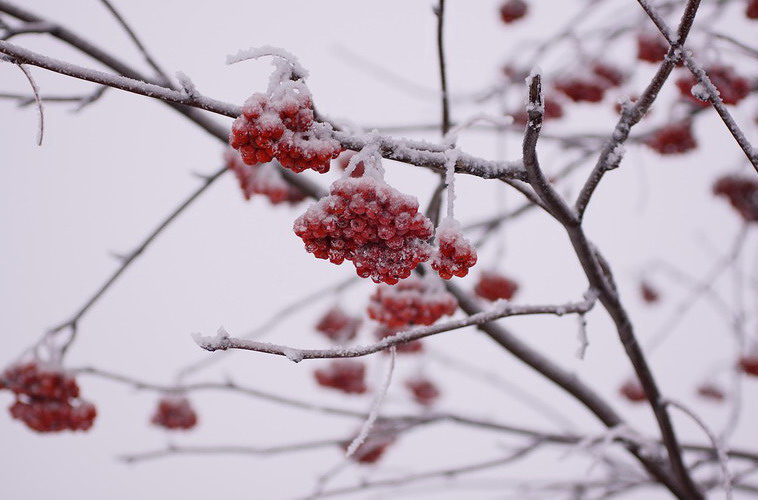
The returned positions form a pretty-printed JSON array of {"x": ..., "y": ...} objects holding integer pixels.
[
  {"x": 501, "y": 309},
  {"x": 40, "y": 108}
]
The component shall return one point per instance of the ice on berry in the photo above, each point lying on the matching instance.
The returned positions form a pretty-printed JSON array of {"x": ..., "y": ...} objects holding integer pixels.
[
  {"x": 455, "y": 254},
  {"x": 414, "y": 301}
]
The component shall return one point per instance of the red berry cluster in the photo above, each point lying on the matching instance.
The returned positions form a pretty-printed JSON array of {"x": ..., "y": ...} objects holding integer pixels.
[
  {"x": 632, "y": 390},
  {"x": 281, "y": 125},
  {"x": 651, "y": 47},
  {"x": 710, "y": 391},
  {"x": 493, "y": 286},
  {"x": 424, "y": 391},
  {"x": 749, "y": 364},
  {"x": 742, "y": 194},
  {"x": 344, "y": 375},
  {"x": 375, "y": 444},
  {"x": 611, "y": 75},
  {"x": 649, "y": 294},
  {"x": 47, "y": 400},
  {"x": 552, "y": 110},
  {"x": 751, "y": 11},
  {"x": 732, "y": 87},
  {"x": 675, "y": 138},
  {"x": 455, "y": 254},
  {"x": 338, "y": 326},
  {"x": 582, "y": 88},
  {"x": 262, "y": 179},
  {"x": 412, "y": 347},
  {"x": 415, "y": 301},
  {"x": 366, "y": 221},
  {"x": 174, "y": 412},
  {"x": 513, "y": 10},
  {"x": 344, "y": 161}
]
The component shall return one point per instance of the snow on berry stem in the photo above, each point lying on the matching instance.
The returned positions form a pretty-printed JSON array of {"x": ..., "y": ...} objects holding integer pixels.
[
  {"x": 452, "y": 157},
  {"x": 287, "y": 66}
]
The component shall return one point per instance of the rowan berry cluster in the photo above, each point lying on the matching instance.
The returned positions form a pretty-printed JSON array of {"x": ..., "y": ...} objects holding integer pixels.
[
  {"x": 731, "y": 87},
  {"x": 415, "y": 301},
  {"x": 454, "y": 255},
  {"x": 423, "y": 390},
  {"x": 371, "y": 224},
  {"x": 651, "y": 47},
  {"x": 494, "y": 286},
  {"x": 751, "y": 10},
  {"x": 47, "y": 400},
  {"x": 344, "y": 375},
  {"x": 174, "y": 413},
  {"x": 513, "y": 10},
  {"x": 263, "y": 178},
  {"x": 338, "y": 326},
  {"x": 281, "y": 125},
  {"x": 675, "y": 138},
  {"x": 742, "y": 194}
]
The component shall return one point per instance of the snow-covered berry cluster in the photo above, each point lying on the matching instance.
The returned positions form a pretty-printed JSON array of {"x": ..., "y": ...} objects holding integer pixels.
[
  {"x": 731, "y": 87},
  {"x": 423, "y": 390},
  {"x": 415, "y": 301},
  {"x": 371, "y": 224},
  {"x": 344, "y": 375},
  {"x": 175, "y": 413},
  {"x": 264, "y": 179},
  {"x": 672, "y": 139},
  {"x": 280, "y": 124},
  {"x": 454, "y": 255},
  {"x": 742, "y": 194},
  {"x": 47, "y": 399},
  {"x": 633, "y": 391},
  {"x": 494, "y": 286},
  {"x": 513, "y": 10},
  {"x": 338, "y": 326}
]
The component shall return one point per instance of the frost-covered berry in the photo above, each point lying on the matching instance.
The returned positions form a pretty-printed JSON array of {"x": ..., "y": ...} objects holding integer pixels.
[
  {"x": 343, "y": 161},
  {"x": 649, "y": 294},
  {"x": 582, "y": 88},
  {"x": 751, "y": 10},
  {"x": 494, "y": 286},
  {"x": 174, "y": 413},
  {"x": 414, "y": 301},
  {"x": 371, "y": 224},
  {"x": 344, "y": 375},
  {"x": 412, "y": 347},
  {"x": 711, "y": 392},
  {"x": 423, "y": 390},
  {"x": 731, "y": 87},
  {"x": 281, "y": 125},
  {"x": 47, "y": 399},
  {"x": 513, "y": 10},
  {"x": 633, "y": 391},
  {"x": 748, "y": 364},
  {"x": 742, "y": 193},
  {"x": 338, "y": 325},
  {"x": 651, "y": 47},
  {"x": 264, "y": 179},
  {"x": 672, "y": 139},
  {"x": 454, "y": 255}
]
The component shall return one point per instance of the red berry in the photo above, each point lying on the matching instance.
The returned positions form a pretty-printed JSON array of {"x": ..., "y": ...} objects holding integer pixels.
[
  {"x": 651, "y": 47},
  {"x": 582, "y": 89},
  {"x": 649, "y": 294},
  {"x": 414, "y": 301},
  {"x": 412, "y": 347},
  {"x": 711, "y": 392},
  {"x": 376, "y": 443},
  {"x": 366, "y": 221},
  {"x": 675, "y": 138},
  {"x": 611, "y": 75},
  {"x": 749, "y": 364},
  {"x": 513, "y": 10},
  {"x": 174, "y": 413},
  {"x": 493, "y": 286},
  {"x": 731, "y": 87},
  {"x": 751, "y": 11},
  {"x": 454, "y": 255},
  {"x": 338, "y": 326},
  {"x": 742, "y": 194},
  {"x": 344, "y": 375},
  {"x": 632, "y": 390},
  {"x": 423, "y": 390},
  {"x": 265, "y": 179}
]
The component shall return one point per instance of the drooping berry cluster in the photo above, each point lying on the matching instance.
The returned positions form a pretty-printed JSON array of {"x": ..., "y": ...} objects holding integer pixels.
[
  {"x": 381, "y": 436},
  {"x": 749, "y": 364},
  {"x": 412, "y": 347},
  {"x": 47, "y": 400},
  {"x": 731, "y": 87},
  {"x": 281, "y": 125},
  {"x": 175, "y": 413},
  {"x": 455, "y": 255},
  {"x": 415, "y": 301},
  {"x": 633, "y": 391},
  {"x": 371, "y": 224},
  {"x": 423, "y": 390},
  {"x": 651, "y": 47},
  {"x": 338, "y": 325},
  {"x": 648, "y": 293},
  {"x": 742, "y": 194},
  {"x": 494, "y": 286},
  {"x": 672, "y": 139},
  {"x": 513, "y": 10},
  {"x": 344, "y": 375},
  {"x": 262, "y": 179}
]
